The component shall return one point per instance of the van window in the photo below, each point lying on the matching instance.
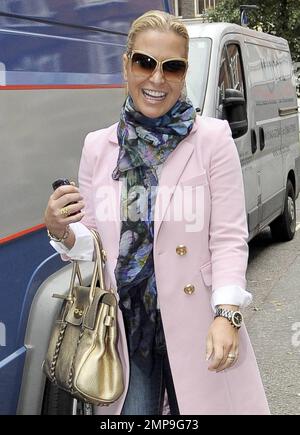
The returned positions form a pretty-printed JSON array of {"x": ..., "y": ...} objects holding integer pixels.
[
  {"x": 196, "y": 80},
  {"x": 224, "y": 76},
  {"x": 231, "y": 74},
  {"x": 235, "y": 67}
]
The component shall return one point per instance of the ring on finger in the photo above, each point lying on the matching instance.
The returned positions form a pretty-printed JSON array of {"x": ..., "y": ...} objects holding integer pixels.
[
  {"x": 64, "y": 211},
  {"x": 231, "y": 356}
]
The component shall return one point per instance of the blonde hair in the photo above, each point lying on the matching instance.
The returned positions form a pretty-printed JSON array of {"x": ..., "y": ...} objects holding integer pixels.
[{"x": 156, "y": 20}]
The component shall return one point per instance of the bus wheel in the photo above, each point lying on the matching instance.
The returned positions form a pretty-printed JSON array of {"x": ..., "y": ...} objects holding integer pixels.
[
  {"x": 283, "y": 228},
  {"x": 58, "y": 402}
]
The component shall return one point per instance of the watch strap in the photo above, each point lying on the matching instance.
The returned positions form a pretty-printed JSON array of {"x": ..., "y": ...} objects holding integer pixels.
[{"x": 228, "y": 314}]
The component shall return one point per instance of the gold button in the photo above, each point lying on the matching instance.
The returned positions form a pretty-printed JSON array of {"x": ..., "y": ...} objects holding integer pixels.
[
  {"x": 181, "y": 250},
  {"x": 189, "y": 289}
]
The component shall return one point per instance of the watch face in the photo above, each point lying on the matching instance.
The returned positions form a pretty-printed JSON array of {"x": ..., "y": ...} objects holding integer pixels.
[{"x": 237, "y": 319}]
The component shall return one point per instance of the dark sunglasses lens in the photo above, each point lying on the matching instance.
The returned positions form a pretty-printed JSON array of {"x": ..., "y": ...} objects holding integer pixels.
[
  {"x": 142, "y": 64},
  {"x": 174, "y": 69}
]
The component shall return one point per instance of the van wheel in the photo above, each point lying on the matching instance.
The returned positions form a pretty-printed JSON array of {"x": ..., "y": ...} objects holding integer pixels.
[
  {"x": 283, "y": 228},
  {"x": 58, "y": 402}
]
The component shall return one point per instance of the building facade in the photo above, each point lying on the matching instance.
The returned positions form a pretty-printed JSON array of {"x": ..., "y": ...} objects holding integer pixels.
[{"x": 193, "y": 8}]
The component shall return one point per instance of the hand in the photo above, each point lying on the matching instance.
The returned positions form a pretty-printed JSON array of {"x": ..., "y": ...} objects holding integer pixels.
[
  {"x": 54, "y": 220},
  {"x": 222, "y": 341}
]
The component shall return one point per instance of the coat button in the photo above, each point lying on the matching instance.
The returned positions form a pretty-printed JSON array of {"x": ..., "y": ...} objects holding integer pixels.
[
  {"x": 189, "y": 289},
  {"x": 181, "y": 250}
]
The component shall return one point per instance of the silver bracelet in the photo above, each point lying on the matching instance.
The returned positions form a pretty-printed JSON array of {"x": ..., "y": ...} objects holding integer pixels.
[{"x": 64, "y": 236}]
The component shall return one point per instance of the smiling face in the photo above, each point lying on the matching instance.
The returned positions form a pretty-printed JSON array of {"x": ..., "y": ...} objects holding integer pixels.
[{"x": 154, "y": 96}]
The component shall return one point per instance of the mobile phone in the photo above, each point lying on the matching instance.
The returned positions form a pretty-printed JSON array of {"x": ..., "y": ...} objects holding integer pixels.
[
  {"x": 60, "y": 182},
  {"x": 63, "y": 182}
]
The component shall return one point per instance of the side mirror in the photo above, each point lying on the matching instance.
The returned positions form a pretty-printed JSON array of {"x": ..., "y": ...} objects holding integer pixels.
[{"x": 235, "y": 112}]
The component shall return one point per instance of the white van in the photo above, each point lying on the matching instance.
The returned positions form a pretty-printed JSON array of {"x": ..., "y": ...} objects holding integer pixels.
[{"x": 246, "y": 77}]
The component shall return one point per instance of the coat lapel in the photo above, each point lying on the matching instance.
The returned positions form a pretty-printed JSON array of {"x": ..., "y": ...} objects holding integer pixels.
[
  {"x": 170, "y": 175},
  {"x": 113, "y": 223},
  {"x": 117, "y": 188}
]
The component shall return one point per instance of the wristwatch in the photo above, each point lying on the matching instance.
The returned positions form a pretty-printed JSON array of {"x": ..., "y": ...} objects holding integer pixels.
[{"x": 234, "y": 317}]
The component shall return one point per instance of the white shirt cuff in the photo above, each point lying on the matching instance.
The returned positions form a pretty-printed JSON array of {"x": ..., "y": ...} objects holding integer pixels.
[
  {"x": 83, "y": 248},
  {"x": 230, "y": 295}
]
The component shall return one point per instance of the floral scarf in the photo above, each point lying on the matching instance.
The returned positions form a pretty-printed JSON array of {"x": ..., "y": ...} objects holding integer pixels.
[{"x": 144, "y": 143}]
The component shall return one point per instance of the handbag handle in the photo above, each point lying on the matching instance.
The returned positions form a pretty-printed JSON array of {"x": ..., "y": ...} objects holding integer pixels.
[
  {"x": 75, "y": 272},
  {"x": 98, "y": 273},
  {"x": 99, "y": 262}
]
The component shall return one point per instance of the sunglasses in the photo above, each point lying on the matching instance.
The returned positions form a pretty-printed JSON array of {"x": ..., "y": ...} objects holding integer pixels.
[{"x": 144, "y": 65}]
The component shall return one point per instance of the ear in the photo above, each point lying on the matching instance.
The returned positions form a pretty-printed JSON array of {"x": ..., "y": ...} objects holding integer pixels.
[{"x": 125, "y": 66}]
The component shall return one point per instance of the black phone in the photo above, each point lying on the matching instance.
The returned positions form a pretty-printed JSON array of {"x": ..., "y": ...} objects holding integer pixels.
[
  {"x": 63, "y": 182},
  {"x": 60, "y": 182}
]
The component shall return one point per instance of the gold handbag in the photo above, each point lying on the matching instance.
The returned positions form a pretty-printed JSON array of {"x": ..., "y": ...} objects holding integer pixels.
[{"x": 82, "y": 356}]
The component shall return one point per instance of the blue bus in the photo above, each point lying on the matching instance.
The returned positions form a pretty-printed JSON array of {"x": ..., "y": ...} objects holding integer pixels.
[{"x": 60, "y": 77}]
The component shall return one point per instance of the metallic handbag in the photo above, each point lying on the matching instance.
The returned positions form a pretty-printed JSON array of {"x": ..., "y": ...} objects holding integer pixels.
[{"x": 82, "y": 356}]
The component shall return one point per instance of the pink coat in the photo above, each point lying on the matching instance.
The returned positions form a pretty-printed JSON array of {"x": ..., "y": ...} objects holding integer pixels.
[{"x": 216, "y": 255}]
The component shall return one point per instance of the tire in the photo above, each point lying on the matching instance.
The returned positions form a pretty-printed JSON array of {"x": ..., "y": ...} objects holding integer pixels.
[
  {"x": 56, "y": 401},
  {"x": 283, "y": 228}
]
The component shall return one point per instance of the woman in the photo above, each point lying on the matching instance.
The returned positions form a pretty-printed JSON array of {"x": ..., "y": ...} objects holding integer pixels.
[{"x": 164, "y": 189}]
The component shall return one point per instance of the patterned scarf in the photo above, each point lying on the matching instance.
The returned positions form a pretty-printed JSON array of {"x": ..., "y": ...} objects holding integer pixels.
[{"x": 144, "y": 143}]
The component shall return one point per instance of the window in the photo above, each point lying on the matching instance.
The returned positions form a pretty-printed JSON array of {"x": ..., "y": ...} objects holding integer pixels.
[
  {"x": 196, "y": 80},
  {"x": 202, "y": 5},
  {"x": 231, "y": 74},
  {"x": 178, "y": 8},
  {"x": 224, "y": 76},
  {"x": 235, "y": 67}
]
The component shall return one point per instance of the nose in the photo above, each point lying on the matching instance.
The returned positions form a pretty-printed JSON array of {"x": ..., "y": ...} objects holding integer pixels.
[{"x": 157, "y": 77}]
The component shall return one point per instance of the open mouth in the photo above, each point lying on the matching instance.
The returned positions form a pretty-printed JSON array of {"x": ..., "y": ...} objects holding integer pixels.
[{"x": 151, "y": 95}]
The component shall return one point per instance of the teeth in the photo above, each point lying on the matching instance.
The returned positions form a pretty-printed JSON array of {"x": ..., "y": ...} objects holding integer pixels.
[{"x": 156, "y": 94}]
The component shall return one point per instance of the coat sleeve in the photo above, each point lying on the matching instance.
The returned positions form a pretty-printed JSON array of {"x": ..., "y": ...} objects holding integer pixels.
[
  {"x": 83, "y": 248},
  {"x": 228, "y": 225}
]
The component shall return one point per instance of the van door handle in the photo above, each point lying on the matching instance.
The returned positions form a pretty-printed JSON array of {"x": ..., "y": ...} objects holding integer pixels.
[
  {"x": 253, "y": 141},
  {"x": 261, "y": 138}
]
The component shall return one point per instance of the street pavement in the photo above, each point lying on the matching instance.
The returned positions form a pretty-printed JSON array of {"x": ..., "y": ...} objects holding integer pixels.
[{"x": 273, "y": 319}]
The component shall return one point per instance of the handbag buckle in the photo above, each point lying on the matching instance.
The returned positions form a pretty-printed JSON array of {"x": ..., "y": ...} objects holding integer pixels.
[
  {"x": 109, "y": 321},
  {"x": 78, "y": 312}
]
